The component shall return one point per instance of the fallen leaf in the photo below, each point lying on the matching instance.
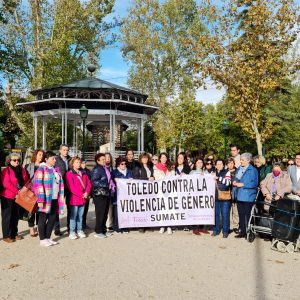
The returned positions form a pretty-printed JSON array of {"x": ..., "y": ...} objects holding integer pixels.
[
  {"x": 11, "y": 266},
  {"x": 222, "y": 247},
  {"x": 279, "y": 261}
]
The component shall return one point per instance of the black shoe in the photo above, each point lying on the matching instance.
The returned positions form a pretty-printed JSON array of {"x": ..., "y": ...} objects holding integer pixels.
[
  {"x": 141, "y": 230},
  {"x": 214, "y": 234},
  {"x": 235, "y": 230},
  {"x": 58, "y": 232},
  {"x": 240, "y": 236},
  {"x": 225, "y": 235}
]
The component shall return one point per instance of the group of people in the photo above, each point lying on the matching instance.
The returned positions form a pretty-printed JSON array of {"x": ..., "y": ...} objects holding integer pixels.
[{"x": 59, "y": 181}]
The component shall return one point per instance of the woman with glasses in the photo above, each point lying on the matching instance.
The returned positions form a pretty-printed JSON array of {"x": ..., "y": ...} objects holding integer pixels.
[
  {"x": 290, "y": 162},
  {"x": 109, "y": 166},
  {"x": 209, "y": 167},
  {"x": 49, "y": 188},
  {"x": 154, "y": 160},
  {"x": 13, "y": 178},
  {"x": 121, "y": 172}
]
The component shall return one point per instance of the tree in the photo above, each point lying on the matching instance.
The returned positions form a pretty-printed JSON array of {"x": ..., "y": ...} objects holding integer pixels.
[
  {"x": 161, "y": 54},
  {"x": 246, "y": 47},
  {"x": 45, "y": 43}
]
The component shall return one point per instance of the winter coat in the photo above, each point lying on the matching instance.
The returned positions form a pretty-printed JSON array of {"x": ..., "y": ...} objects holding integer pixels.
[
  {"x": 43, "y": 188},
  {"x": 77, "y": 188},
  {"x": 247, "y": 193},
  {"x": 116, "y": 174},
  {"x": 140, "y": 172},
  {"x": 10, "y": 183}
]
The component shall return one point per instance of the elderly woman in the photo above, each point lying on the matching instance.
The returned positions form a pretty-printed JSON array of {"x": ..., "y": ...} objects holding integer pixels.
[
  {"x": 103, "y": 186},
  {"x": 262, "y": 168},
  {"x": 121, "y": 172},
  {"x": 275, "y": 185},
  {"x": 246, "y": 182},
  {"x": 13, "y": 178}
]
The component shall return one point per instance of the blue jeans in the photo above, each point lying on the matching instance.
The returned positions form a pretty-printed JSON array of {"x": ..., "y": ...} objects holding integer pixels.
[
  {"x": 76, "y": 218},
  {"x": 222, "y": 208}
]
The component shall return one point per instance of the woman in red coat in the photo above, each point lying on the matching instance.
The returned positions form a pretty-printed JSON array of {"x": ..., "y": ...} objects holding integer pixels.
[{"x": 13, "y": 178}]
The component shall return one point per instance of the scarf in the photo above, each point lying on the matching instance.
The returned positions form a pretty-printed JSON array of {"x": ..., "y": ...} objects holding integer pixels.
[
  {"x": 111, "y": 184},
  {"x": 240, "y": 172},
  {"x": 124, "y": 172},
  {"x": 18, "y": 173},
  {"x": 162, "y": 167}
]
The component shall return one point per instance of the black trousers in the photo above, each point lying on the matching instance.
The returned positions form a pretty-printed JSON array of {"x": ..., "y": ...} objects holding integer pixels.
[
  {"x": 33, "y": 220},
  {"x": 86, "y": 209},
  {"x": 101, "y": 211},
  {"x": 10, "y": 217},
  {"x": 244, "y": 210},
  {"x": 47, "y": 221},
  {"x": 57, "y": 222}
]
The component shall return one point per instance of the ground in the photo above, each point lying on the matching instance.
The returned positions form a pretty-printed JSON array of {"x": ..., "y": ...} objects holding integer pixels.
[{"x": 146, "y": 266}]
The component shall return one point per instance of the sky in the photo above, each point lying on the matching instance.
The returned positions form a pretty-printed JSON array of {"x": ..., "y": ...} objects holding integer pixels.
[{"x": 114, "y": 68}]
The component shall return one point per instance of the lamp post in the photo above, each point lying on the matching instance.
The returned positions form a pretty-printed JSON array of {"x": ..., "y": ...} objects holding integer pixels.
[
  {"x": 83, "y": 115},
  {"x": 225, "y": 130}
]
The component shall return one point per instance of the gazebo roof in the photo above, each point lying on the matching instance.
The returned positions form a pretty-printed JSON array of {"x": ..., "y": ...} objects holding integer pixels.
[
  {"x": 94, "y": 93},
  {"x": 90, "y": 83}
]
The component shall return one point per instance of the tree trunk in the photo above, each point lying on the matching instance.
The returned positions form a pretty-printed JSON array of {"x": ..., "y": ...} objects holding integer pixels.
[{"x": 257, "y": 137}]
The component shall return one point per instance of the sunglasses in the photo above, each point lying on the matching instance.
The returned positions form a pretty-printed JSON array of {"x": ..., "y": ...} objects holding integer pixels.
[
  {"x": 154, "y": 159},
  {"x": 15, "y": 160},
  {"x": 208, "y": 164},
  {"x": 290, "y": 164},
  {"x": 122, "y": 164}
]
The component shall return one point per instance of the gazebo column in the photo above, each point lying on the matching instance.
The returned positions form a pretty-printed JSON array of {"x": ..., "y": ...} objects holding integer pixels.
[
  {"x": 62, "y": 125},
  {"x": 142, "y": 134},
  {"x": 74, "y": 134},
  {"x": 44, "y": 146},
  {"x": 66, "y": 126},
  {"x": 113, "y": 149},
  {"x": 139, "y": 135},
  {"x": 35, "y": 126}
]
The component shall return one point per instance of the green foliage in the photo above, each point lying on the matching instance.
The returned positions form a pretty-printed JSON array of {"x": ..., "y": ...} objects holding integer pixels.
[{"x": 44, "y": 43}]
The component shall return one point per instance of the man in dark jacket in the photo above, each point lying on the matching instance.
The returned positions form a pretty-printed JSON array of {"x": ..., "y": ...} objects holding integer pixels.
[{"x": 62, "y": 162}]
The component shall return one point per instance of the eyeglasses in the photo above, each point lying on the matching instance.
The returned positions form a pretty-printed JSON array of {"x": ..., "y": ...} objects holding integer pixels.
[{"x": 15, "y": 160}]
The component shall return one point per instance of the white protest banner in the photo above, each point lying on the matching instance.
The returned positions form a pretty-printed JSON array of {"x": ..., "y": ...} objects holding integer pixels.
[{"x": 176, "y": 200}]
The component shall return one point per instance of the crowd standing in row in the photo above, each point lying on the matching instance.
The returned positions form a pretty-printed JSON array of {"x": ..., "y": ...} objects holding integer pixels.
[{"x": 59, "y": 181}]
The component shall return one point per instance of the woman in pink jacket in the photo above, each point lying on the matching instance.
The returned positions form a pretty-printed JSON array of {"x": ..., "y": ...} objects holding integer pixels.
[
  {"x": 13, "y": 178},
  {"x": 80, "y": 187}
]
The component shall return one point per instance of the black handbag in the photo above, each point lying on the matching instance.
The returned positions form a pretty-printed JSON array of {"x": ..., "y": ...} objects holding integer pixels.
[{"x": 101, "y": 192}]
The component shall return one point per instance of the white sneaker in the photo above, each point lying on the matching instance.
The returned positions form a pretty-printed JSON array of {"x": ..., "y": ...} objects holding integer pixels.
[
  {"x": 81, "y": 234},
  {"x": 109, "y": 234},
  {"x": 169, "y": 230},
  {"x": 100, "y": 235},
  {"x": 45, "y": 243},
  {"x": 162, "y": 230},
  {"x": 73, "y": 236},
  {"x": 52, "y": 242}
]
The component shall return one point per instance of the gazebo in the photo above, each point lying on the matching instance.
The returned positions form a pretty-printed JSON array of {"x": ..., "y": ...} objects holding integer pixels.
[{"x": 110, "y": 108}]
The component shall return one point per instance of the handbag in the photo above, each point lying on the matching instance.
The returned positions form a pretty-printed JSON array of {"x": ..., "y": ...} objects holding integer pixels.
[
  {"x": 27, "y": 199},
  {"x": 223, "y": 195},
  {"x": 101, "y": 192}
]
